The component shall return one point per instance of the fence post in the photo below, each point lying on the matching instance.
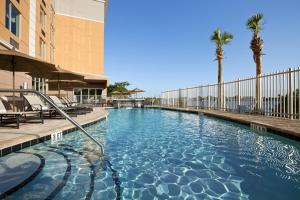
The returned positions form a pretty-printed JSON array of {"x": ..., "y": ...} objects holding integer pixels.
[
  {"x": 224, "y": 97},
  {"x": 290, "y": 95},
  {"x": 179, "y": 98},
  {"x": 239, "y": 92},
  {"x": 187, "y": 98},
  {"x": 168, "y": 103},
  {"x": 208, "y": 97},
  {"x": 173, "y": 99},
  {"x": 219, "y": 104},
  {"x": 197, "y": 94}
]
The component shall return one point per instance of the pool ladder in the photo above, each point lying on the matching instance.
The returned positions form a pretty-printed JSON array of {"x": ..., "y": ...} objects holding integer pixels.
[{"x": 44, "y": 97}]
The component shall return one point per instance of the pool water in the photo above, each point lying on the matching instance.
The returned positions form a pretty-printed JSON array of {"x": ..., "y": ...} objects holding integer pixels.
[{"x": 156, "y": 154}]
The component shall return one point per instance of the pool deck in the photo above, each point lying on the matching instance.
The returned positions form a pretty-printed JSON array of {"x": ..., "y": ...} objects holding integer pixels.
[
  {"x": 12, "y": 139},
  {"x": 285, "y": 127}
]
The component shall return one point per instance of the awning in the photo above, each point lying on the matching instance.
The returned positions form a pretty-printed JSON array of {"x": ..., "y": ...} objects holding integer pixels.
[{"x": 93, "y": 78}]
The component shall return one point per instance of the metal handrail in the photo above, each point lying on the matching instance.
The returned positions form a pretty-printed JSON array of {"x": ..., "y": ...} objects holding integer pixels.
[{"x": 60, "y": 111}]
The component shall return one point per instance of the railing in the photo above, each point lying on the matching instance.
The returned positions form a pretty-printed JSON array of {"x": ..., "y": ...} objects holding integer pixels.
[
  {"x": 46, "y": 99},
  {"x": 277, "y": 94},
  {"x": 110, "y": 98},
  {"x": 88, "y": 99}
]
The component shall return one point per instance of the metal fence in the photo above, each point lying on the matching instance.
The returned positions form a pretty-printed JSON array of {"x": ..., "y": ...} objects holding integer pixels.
[{"x": 273, "y": 94}]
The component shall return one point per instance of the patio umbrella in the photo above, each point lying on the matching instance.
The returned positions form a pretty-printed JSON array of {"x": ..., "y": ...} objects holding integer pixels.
[
  {"x": 119, "y": 94},
  {"x": 60, "y": 75},
  {"x": 136, "y": 91},
  {"x": 11, "y": 60},
  {"x": 116, "y": 92}
]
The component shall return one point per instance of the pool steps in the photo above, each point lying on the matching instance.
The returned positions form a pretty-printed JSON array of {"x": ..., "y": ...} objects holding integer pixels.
[
  {"x": 58, "y": 109},
  {"x": 33, "y": 142}
]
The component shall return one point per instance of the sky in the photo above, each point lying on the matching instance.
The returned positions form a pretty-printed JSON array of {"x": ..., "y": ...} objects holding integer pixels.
[{"x": 159, "y": 45}]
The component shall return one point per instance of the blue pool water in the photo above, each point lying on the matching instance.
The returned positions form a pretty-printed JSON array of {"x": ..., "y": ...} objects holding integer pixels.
[{"x": 155, "y": 154}]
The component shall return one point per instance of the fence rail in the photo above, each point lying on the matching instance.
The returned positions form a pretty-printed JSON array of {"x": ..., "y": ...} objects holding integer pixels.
[{"x": 274, "y": 94}]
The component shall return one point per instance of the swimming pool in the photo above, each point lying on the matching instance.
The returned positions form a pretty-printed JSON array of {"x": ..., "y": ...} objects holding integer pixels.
[{"x": 156, "y": 154}]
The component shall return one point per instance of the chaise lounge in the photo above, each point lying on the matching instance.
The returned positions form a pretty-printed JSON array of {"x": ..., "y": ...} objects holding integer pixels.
[{"x": 7, "y": 115}]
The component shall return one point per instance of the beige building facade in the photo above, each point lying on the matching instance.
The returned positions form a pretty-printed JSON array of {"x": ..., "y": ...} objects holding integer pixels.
[
  {"x": 79, "y": 37},
  {"x": 68, "y": 33}
]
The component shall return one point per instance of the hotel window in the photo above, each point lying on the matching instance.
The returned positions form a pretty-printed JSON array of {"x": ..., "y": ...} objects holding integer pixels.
[
  {"x": 39, "y": 84},
  {"x": 14, "y": 43},
  {"x": 42, "y": 48},
  {"x": 42, "y": 18},
  {"x": 12, "y": 18},
  {"x": 87, "y": 95}
]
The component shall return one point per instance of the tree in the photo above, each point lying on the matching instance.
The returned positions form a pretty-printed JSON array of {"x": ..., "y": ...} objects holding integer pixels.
[
  {"x": 220, "y": 39},
  {"x": 254, "y": 24},
  {"x": 118, "y": 87}
]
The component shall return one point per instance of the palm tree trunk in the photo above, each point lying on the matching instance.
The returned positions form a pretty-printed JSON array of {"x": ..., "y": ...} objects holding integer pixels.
[
  {"x": 258, "y": 82},
  {"x": 220, "y": 75}
]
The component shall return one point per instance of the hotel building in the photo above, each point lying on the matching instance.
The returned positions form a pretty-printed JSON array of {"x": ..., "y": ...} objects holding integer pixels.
[{"x": 67, "y": 33}]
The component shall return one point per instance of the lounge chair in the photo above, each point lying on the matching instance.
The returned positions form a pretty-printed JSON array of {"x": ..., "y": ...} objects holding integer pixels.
[
  {"x": 57, "y": 101},
  {"x": 64, "y": 106},
  {"x": 4, "y": 114},
  {"x": 36, "y": 102},
  {"x": 71, "y": 103}
]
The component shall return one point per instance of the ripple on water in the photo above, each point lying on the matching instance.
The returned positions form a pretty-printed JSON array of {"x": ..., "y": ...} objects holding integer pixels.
[{"x": 170, "y": 155}]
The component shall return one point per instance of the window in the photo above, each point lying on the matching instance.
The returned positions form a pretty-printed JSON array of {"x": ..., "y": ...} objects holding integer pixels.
[
  {"x": 7, "y": 15},
  {"x": 12, "y": 18},
  {"x": 42, "y": 18},
  {"x": 87, "y": 95},
  {"x": 42, "y": 48},
  {"x": 39, "y": 84},
  {"x": 92, "y": 92},
  {"x": 14, "y": 43},
  {"x": 98, "y": 92}
]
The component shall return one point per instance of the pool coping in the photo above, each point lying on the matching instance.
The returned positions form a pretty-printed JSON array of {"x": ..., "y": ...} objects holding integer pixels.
[
  {"x": 64, "y": 131},
  {"x": 269, "y": 128}
]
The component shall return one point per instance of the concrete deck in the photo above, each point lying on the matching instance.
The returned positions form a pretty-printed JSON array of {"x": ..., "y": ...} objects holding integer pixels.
[
  {"x": 29, "y": 131},
  {"x": 282, "y": 126}
]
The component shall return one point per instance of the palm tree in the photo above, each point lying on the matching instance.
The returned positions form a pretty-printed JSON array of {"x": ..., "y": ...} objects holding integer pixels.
[
  {"x": 220, "y": 39},
  {"x": 254, "y": 24}
]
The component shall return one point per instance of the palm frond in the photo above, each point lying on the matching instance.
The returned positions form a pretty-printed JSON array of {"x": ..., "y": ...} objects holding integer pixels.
[
  {"x": 216, "y": 37},
  {"x": 254, "y": 23},
  {"x": 226, "y": 37},
  {"x": 220, "y": 38}
]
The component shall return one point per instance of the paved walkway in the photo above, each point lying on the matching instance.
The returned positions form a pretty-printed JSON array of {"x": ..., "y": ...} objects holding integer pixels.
[
  {"x": 29, "y": 131},
  {"x": 281, "y": 126}
]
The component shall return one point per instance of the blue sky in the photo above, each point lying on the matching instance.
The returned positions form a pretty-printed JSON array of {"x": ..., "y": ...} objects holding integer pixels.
[{"x": 164, "y": 44}]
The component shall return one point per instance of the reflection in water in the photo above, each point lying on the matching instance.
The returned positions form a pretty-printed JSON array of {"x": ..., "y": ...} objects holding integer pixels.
[
  {"x": 166, "y": 153},
  {"x": 154, "y": 154}
]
